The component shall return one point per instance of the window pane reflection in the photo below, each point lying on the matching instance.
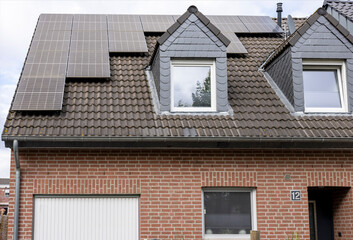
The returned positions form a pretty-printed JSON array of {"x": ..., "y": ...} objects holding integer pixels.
[
  {"x": 321, "y": 89},
  {"x": 192, "y": 86},
  {"x": 227, "y": 212}
]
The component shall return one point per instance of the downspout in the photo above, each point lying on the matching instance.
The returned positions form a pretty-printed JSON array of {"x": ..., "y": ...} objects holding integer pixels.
[{"x": 17, "y": 190}]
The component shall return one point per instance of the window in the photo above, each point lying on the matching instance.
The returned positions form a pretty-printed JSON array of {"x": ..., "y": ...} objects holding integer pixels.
[
  {"x": 193, "y": 86},
  {"x": 229, "y": 213},
  {"x": 325, "y": 86}
]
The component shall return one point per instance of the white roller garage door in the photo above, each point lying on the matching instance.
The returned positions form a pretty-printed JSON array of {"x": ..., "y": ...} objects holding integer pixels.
[{"x": 86, "y": 218}]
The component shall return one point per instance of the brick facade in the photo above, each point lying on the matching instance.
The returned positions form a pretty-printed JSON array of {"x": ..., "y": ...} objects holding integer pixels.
[{"x": 170, "y": 181}]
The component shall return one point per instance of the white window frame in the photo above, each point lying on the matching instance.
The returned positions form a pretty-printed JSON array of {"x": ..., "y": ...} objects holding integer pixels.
[
  {"x": 194, "y": 63},
  {"x": 340, "y": 67},
  {"x": 252, "y": 192}
]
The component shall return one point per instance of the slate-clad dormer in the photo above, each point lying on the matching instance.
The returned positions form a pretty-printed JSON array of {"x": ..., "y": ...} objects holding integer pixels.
[
  {"x": 190, "y": 66},
  {"x": 314, "y": 67}
]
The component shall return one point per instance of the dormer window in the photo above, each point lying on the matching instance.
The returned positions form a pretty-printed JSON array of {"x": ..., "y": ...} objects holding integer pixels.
[
  {"x": 189, "y": 68},
  {"x": 325, "y": 87},
  {"x": 193, "y": 86}
]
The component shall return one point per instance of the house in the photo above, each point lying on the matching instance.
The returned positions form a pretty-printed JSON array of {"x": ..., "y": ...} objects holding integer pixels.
[
  {"x": 4, "y": 194},
  {"x": 191, "y": 127}
]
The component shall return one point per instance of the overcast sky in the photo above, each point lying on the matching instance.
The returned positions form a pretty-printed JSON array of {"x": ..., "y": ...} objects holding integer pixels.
[{"x": 18, "y": 20}]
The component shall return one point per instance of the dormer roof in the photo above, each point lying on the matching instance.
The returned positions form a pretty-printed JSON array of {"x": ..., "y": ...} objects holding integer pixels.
[
  {"x": 293, "y": 39},
  {"x": 193, "y": 10}
]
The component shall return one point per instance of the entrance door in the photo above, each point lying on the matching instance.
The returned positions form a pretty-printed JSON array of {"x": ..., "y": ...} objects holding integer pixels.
[{"x": 320, "y": 214}]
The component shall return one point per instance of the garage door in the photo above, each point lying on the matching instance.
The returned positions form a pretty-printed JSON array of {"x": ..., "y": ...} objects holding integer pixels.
[{"x": 86, "y": 218}]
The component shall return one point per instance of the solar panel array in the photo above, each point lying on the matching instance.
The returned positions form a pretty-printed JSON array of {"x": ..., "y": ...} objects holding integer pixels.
[
  {"x": 78, "y": 46},
  {"x": 42, "y": 82},
  {"x": 89, "y": 54},
  {"x": 125, "y": 34}
]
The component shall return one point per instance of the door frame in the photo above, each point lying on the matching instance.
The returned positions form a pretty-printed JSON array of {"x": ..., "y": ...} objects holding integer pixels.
[{"x": 315, "y": 217}]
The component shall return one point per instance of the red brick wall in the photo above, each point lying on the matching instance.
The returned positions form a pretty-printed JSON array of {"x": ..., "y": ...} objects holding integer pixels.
[
  {"x": 342, "y": 212},
  {"x": 170, "y": 182}
]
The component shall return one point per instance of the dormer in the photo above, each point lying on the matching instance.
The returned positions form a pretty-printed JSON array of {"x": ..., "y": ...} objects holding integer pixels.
[
  {"x": 313, "y": 67},
  {"x": 189, "y": 66}
]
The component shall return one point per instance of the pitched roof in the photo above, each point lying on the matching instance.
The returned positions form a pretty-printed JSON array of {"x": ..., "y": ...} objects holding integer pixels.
[
  {"x": 292, "y": 39},
  {"x": 122, "y": 107},
  {"x": 343, "y": 7}
]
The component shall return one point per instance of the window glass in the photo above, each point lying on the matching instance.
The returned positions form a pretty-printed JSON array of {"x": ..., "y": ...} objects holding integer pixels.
[
  {"x": 227, "y": 212},
  {"x": 192, "y": 86},
  {"x": 321, "y": 89}
]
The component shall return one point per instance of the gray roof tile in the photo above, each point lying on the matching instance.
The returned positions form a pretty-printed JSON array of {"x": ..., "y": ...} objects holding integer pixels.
[{"x": 343, "y": 7}]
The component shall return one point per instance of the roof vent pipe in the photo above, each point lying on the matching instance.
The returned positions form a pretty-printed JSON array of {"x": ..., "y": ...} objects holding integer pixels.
[{"x": 279, "y": 14}]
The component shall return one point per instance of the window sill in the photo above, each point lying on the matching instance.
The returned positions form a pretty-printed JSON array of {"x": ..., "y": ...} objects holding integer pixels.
[
  {"x": 325, "y": 110},
  {"x": 227, "y": 237}
]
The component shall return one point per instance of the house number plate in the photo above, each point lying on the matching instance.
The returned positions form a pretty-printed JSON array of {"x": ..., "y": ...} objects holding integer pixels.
[{"x": 295, "y": 195}]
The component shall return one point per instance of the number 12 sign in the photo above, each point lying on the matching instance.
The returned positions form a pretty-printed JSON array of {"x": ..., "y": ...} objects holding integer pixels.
[{"x": 295, "y": 195}]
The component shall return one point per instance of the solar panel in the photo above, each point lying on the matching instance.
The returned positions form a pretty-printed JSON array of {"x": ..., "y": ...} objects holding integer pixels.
[
  {"x": 35, "y": 101},
  {"x": 260, "y": 24},
  {"x": 125, "y": 34},
  {"x": 89, "y": 55},
  {"x": 228, "y": 23},
  {"x": 127, "y": 42},
  {"x": 156, "y": 23}
]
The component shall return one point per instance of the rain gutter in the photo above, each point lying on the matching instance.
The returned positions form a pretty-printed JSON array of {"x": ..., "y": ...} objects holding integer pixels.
[{"x": 254, "y": 140}]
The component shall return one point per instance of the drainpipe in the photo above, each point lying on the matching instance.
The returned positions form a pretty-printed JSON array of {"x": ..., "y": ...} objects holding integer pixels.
[
  {"x": 17, "y": 190},
  {"x": 279, "y": 14}
]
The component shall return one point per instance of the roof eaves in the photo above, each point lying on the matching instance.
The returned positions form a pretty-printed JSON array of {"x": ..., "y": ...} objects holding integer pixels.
[{"x": 178, "y": 142}]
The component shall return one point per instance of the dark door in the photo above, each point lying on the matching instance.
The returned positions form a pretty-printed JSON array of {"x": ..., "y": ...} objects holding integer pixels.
[{"x": 320, "y": 215}]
